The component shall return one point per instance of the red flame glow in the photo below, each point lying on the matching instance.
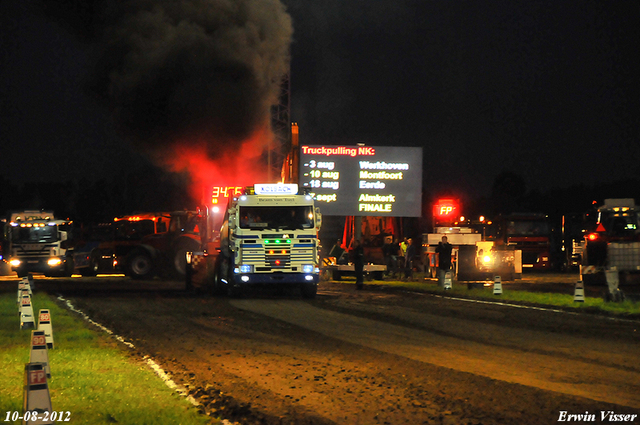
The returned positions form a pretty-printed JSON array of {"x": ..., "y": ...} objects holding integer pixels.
[{"x": 239, "y": 164}]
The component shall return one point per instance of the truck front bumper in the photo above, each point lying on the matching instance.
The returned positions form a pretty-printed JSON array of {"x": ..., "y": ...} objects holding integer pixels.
[
  {"x": 276, "y": 278},
  {"x": 44, "y": 265}
]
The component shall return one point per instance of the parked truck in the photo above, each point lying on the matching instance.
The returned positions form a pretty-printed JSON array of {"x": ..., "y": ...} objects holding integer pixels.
[
  {"x": 163, "y": 252},
  {"x": 141, "y": 246},
  {"x": 37, "y": 242},
  {"x": 530, "y": 233},
  {"x": 615, "y": 244},
  {"x": 108, "y": 247},
  {"x": 269, "y": 236},
  {"x": 473, "y": 258}
]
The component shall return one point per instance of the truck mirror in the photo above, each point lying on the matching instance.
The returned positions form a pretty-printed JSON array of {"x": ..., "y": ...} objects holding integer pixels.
[{"x": 232, "y": 223}]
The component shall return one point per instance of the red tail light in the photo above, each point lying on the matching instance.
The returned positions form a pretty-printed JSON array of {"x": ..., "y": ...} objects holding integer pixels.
[{"x": 592, "y": 236}]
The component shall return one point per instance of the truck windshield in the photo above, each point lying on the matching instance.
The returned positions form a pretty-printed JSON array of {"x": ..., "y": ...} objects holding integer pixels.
[
  {"x": 619, "y": 224},
  {"x": 34, "y": 234},
  {"x": 290, "y": 218},
  {"x": 133, "y": 230},
  {"x": 528, "y": 228}
]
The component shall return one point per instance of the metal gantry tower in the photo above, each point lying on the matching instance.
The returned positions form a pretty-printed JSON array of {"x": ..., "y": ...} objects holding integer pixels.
[{"x": 281, "y": 127}]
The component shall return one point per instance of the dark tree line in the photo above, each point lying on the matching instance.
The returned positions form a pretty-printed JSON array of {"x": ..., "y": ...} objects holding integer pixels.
[
  {"x": 151, "y": 189},
  {"x": 101, "y": 200}
]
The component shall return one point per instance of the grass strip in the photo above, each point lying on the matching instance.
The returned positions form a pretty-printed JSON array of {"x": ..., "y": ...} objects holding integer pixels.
[
  {"x": 626, "y": 309},
  {"x": 92, "y": 378}
]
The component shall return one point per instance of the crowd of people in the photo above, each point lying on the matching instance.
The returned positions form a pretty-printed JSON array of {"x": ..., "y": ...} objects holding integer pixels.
[{"x": 400, "y": 258}]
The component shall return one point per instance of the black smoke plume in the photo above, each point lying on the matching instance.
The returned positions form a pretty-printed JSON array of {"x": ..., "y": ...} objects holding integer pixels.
[{"x": 184, "y": 70}]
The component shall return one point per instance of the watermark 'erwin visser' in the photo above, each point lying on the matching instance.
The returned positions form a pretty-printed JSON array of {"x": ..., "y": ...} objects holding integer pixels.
[{"x": 605, "y": 416}]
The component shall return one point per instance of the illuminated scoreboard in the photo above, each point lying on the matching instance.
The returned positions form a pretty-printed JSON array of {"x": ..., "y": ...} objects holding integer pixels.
[
  {"x": 220, "y": 194},
  {"x": 363, "y": 180}
]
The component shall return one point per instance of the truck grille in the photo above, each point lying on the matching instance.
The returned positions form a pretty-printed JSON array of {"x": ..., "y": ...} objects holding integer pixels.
[
  {"x": 278, "y": 256},
  {"x": 33, "y": 250},
  {"x": 271, "y": 256}
]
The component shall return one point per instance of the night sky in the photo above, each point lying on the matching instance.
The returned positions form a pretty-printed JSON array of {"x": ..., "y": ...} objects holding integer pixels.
[{"x": 546, "y": 89}]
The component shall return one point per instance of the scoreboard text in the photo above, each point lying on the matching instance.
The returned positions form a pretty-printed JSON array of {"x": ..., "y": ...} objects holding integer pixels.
[{"x": 364, "y": 180}]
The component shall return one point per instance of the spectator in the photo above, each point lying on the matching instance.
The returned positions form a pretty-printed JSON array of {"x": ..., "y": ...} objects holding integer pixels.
[
  {"x": 443, "y": 250},
  {"x": 357, "y": 256},
  {"x": 337, "y": 251},
  {"x": 390, "y": 253},
  {"x": 409, "y": 257}
]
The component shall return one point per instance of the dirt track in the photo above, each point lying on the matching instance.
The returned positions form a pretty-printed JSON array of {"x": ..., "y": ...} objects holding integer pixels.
[{"x": 373, "y": 356}]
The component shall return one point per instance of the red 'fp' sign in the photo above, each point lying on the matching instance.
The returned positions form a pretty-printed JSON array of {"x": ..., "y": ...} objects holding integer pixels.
[
  {"x": 446, "y": 208},
  {"x": 37, "y": 377}
]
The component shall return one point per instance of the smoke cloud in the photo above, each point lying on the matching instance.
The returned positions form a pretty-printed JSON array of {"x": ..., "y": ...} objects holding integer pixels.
[
  {"x": 200, "y": 69},
  {"x": 186, "y": 78}
]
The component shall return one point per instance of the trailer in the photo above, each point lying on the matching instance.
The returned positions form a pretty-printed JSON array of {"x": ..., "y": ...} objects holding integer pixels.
[
  {"x": 614, "y": 246},
  {"x": 331, "y": 268}
]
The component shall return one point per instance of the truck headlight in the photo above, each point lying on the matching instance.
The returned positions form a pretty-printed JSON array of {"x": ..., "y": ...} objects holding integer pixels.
[
  {"x": 15, "y": 262},
  {"x": 246, "y": 268},
  {"x": 54, "y": 261},
  {"x": 486, "y": 259},
  {"x": 307, "y": 268}
]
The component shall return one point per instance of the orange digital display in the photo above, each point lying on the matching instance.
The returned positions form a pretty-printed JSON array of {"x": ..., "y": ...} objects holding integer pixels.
[{"x": 218, "y": 192}]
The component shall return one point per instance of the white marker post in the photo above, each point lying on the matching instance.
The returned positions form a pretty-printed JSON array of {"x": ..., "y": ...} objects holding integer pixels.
[
  {"x": 447, "y": 281},
  {"x": 578, "y": 293},
  {"x": 26, "y": 313},
  {"x": 27, "y": 283},
  {"x": 497, "y": 285},
  {"x": 36, "y": 394},
  {"x": 39, "y": 352},
  {"x": 22, "y": 290},
  {"x": 44, "y": 324}
]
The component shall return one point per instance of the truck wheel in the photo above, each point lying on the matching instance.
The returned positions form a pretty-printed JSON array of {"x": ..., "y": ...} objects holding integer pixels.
[
  {"x": 596, "y": 279},
  {"x": 92, "y": 269},
  {"x": 94, "y": 265},
  {"x": 218, "y": 287},
  {"x": 68, "y": 268},
  {"x": 140, "y": 265},
  {"x": 309, "y": 290},
  {"x": 180, "y": 257},
  {"x": 86, "y": 271},
  {"x": 235, "y": 290}
]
